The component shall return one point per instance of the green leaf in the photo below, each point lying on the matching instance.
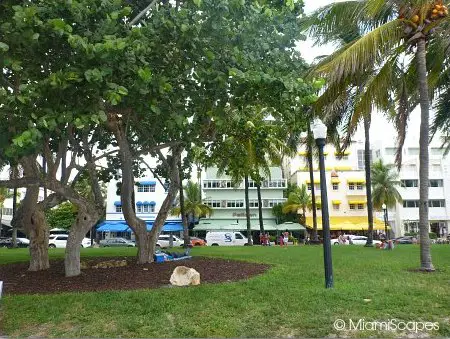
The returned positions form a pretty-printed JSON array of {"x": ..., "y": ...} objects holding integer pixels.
[
  {"x": 35, "y": 36},
  {"x": 155, "y": 109},
  {"x": 145, "y": 74},
  {"x": 4, "y": 47},
  {"x": 184, "y": 27},
  {"x": 198, "y": 3},
  {"x": 102, "y": 116}
]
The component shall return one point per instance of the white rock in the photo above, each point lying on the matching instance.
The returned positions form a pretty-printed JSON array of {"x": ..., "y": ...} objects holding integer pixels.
[{"x": 185, "y": 276}]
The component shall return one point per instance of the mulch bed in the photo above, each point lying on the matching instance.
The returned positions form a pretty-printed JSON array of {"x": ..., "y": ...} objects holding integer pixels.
[{"x": 17, "y": 280}]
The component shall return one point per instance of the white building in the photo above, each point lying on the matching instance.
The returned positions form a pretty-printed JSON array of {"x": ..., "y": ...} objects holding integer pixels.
[
  {"x": 405, "y": 216},
  {"x": 149, "y": 196},
  {"x": 228, "y": 201}
]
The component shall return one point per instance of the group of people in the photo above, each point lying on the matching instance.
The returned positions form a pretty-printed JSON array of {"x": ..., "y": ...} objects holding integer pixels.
[{"x": 264, "y": 239}]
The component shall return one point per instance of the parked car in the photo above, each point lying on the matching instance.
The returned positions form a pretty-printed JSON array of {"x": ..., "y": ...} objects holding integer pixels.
[
  {"x": 21, "y": 242},
  {"x": 215, "y": 238},
  {"x": 404, "y": 240},
  {"x": 117, "y": 242},
  {"x": 354, "y": 240},
  {"x": 197, "y": 241},
  {"x": 164, "y": 240},
  {"x": 60, "y": 241}
]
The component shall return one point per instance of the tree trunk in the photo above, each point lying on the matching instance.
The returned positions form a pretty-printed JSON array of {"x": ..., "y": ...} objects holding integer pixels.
[
  {"x": 199, "y": 180},
  {"x": 425, "y": 251},
  {"x": 87, "y": 216},
  {"x": 247, "y": 211},
  {"x": 261, "y": 220},
  {"x": 39, "y": 233},
  {"x": 138, "y": 225},
  {"x": 14, "y": 229},
  {"x": 186, "y": 238},
  {"x": 32, "y": 220},
  {"x": 367, "y": 167},
  {"x": 314, "y": 237}
]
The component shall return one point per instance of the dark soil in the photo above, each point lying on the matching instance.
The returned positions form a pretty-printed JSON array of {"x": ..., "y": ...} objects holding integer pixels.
[{"x": 17, "y": 280}]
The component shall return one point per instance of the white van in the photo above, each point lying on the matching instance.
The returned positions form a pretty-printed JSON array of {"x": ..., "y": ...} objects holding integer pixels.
[{"x": 231, "y": 238}]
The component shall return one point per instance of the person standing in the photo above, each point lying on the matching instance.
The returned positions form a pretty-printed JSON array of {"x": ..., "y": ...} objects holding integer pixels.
[{"x": 286, "y": 237}]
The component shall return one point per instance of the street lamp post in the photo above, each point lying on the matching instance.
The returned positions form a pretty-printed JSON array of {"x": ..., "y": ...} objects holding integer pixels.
[
  {"x": 320, "y": 134},
  {"x": 384, "y": 207}
]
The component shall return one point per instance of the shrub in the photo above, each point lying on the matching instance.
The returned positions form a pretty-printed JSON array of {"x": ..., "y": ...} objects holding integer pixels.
[{"x": 432, "y": 235}]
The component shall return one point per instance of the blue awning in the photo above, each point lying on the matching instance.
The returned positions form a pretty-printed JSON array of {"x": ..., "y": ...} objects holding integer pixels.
[
  {"x": 139, "y": 203},
  {"x": 117, "y": 203},
  {"x": 149, "y": 183},
  {"x": 152, "y": 203},
  {"x": 113, "y": 226},
  {"x": 145, "y": 203},
  {"x": 121, "y": 226}
]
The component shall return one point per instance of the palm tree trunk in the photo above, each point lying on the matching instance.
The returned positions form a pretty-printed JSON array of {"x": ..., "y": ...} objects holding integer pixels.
[
  {"x": 261, "y": 224},
  {"x": 14, "y": 207},
  {"x": 1, "y": 217},
  {"x": 314, "y": 238},
  {"x": 247, "y": 211},
  {"x": 367, "y": 167},
  {"x": 425, "y": 252},
  {"x": 187, "y": 241}
]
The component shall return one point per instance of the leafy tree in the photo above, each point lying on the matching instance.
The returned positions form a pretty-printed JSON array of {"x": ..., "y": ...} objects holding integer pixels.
[
  {"x": 299, "y": 199},
  {"x": 62, "y": 216},
  {"x": 384, "y": 185},
  {"x": 281, "y": 217},
  {"x": 391, "y": 30},
  {"x": 194, "y": 208}
]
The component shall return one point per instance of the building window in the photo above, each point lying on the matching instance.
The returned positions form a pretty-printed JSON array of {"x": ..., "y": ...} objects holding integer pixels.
[
  {"x": 309, "y": 186},
  {"x": 361, "y": 160},
  {"x": 118, "y": 209},
  {"x": 413, "y": 151},
  {"x": 139, "y": 209},
  {"x": 253, "y": 203},
  {"x": 335, "y": 187},
  {"x": 436, "y": 151},
  {"x": 410, "y": 183},
  {"x": 274, "y": 202},
  {"x": 359, "y": 187},
  {"x": 336, "y": 207},
  {"x": 435, "y": 168},
  {"x": 7, "y": 211},
  {"x": 411, "y": 167},
  {"x": 352, "y": 206},
  {"x": 360, "y": 206},
  {"x": 146, "y": 188},
  {"x": 436, "y": 183},
  {"x": 410, "y": 203},
  {"x": 436, "y": 203},
  {"x": 317, "y": 187},
  {"x": 351, "y": 187},
  {"x": 235, "y": 203},
  {"x": 390, "y": 151}
]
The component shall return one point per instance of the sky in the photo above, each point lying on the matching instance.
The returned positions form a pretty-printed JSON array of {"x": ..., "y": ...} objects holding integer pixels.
[{"x": 380, "y": 128}]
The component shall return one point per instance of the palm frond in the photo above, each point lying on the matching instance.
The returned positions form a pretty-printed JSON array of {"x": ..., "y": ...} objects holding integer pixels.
[{"x": 362, "y": 54}]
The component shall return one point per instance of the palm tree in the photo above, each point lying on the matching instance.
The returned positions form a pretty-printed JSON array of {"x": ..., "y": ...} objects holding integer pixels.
[
  {"x": 299, "y": 199},
  {"x": 4, "y": 194},
  {"x": 392, "y": 30},
  {"x": 193, "y": 206},
  {"x": 384, "y": 185}
]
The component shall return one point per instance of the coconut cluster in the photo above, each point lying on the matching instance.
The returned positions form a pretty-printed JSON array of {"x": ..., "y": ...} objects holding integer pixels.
[{"x": 436, "y": 11}]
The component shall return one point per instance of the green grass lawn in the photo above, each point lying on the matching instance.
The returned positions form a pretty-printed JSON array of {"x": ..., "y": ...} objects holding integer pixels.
[{"x": 289, "y": 300}]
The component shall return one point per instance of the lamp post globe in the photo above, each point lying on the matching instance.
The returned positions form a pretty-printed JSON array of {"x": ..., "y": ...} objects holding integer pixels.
[
  {"x": 384, "y": 207},
  {"x": 320, "y": 134}
]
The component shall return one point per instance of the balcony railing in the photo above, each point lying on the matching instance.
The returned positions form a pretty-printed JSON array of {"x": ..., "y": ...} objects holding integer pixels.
[
  {"x": 253, "y": 203},
  {"x": 228, "y": 184}
]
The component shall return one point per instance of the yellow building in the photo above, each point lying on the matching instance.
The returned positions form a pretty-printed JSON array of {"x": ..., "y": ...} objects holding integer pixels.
[{"x": 346, "y": 188}]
